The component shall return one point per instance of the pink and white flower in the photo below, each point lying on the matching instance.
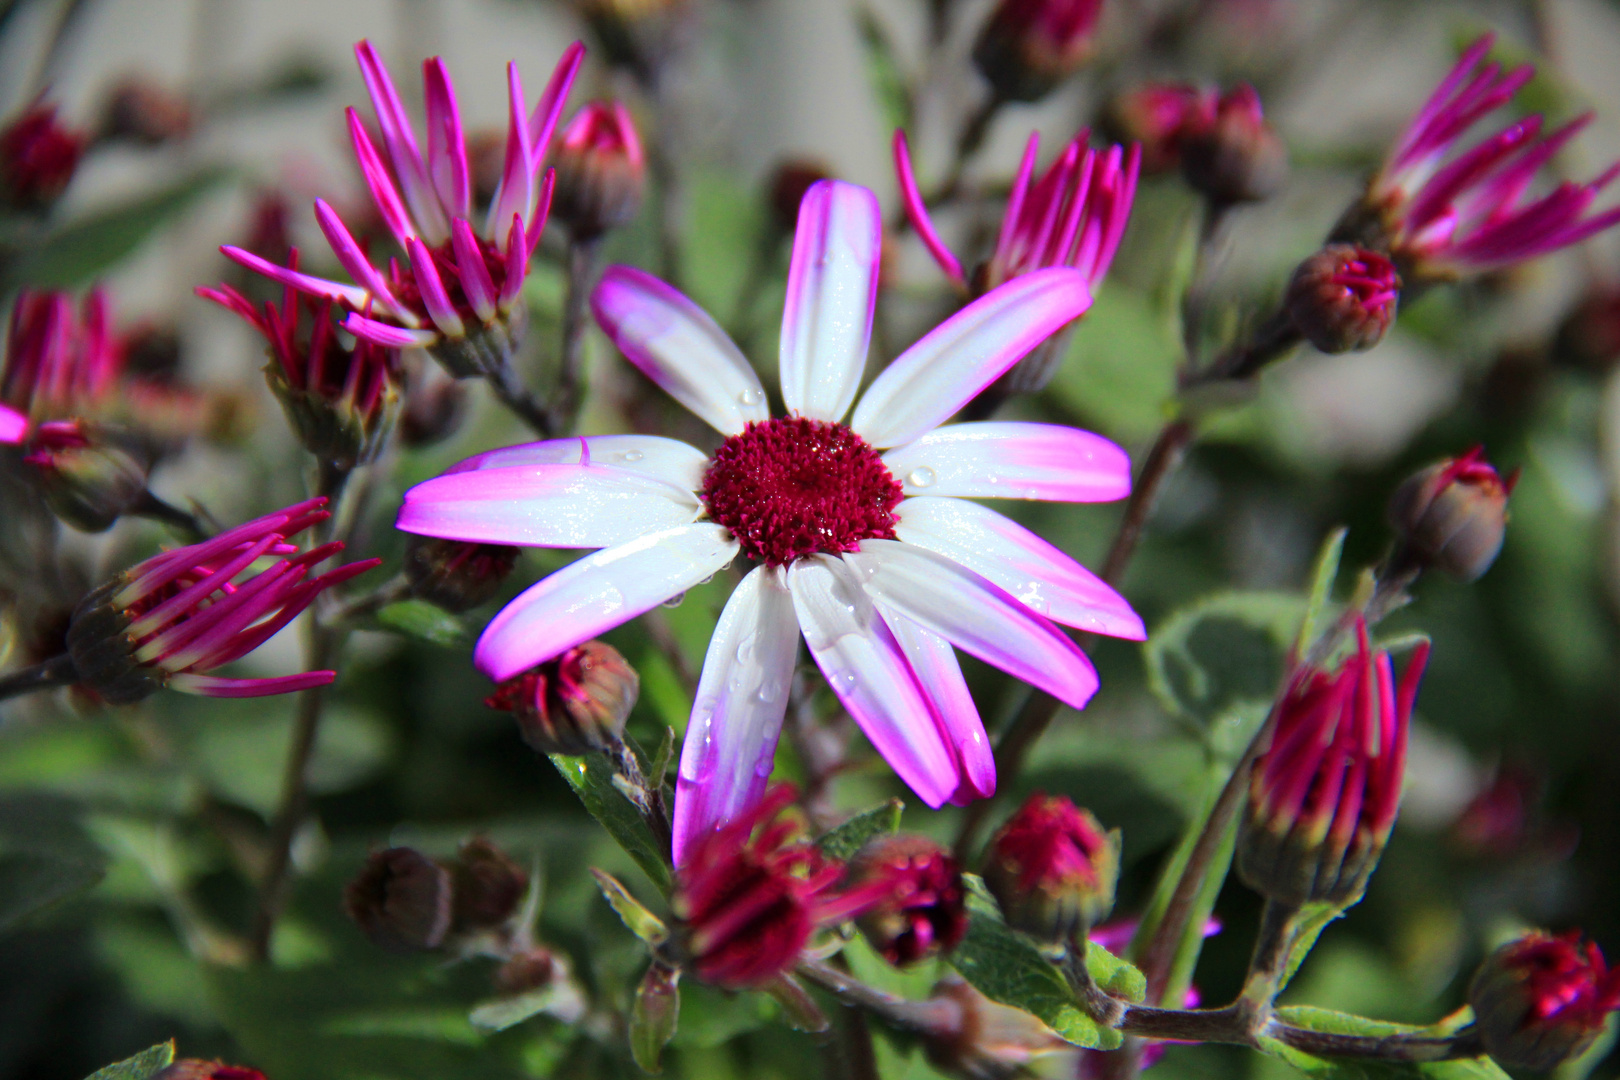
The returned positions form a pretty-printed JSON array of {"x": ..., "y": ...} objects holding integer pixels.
[
  {"x": 459, "y": 280},
  {"x": 861, "y": 531}
]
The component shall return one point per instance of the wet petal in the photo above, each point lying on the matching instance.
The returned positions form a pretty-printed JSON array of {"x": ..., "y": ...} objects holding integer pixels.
[
  {"x": 741, "y": 698},
  {"x": 976, "y": 616},
  {"x": 573, "y": 506},
  {"x": 1009, "y": 460},
  {"x": 1046, "y": 580},
  {"x": 677, "y": 346},
  {"x": 933, "y": 661},
  {"x": 831, "y": 290},
  {"x": 597, "y": 593},
  {"x": 967, "y": 352},
  {"x": 869, "y": 672},
  {"x": 669, "y": 460}
]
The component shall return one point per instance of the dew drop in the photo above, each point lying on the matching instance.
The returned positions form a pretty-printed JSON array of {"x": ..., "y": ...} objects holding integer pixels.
[
  {"x": 751, "y": 397},
  {"x": 745, "y": 651},
  {"x": 631, "y": 455},
  {"x": 675, "y": 601},
  {"x": 922, "y": 477}
]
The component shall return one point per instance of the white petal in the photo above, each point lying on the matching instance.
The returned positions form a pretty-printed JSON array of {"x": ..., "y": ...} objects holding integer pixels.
[
  {"x": 831, "y": 289},
  {"x": 869, "y": 672},
  {"x": 933, "y": 661},
  {"x": 677, "y": 346},
  {"x": 669, "y": 460},
  {"x": 741, "y": 698},
  {"x": 975, "y": 616},
  {"x": 574, "y": 506},
  {"x": 967, "y": 352},
  {"x": 1046, "y": 580},
  {"x": 1009, "y": 460},
  {"x": 597, "y": 593}
]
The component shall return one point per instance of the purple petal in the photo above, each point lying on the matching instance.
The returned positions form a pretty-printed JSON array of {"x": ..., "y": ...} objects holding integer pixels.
[
  {"x": 1012, "y": 460},
  {"x": 869, "y": 672},
  {"x": 475, "y": 279},
  {"x": 402, "y": 149},
  {"x": 917, "y": 212},
  {"x": 393, "y": 337},
  {"x": 966, "y": 353},
  {"x": 1012, "y": 216},
  {"x": 999, "y": 549},
  {"x": 976, "y": 616},
  {"x": 434, "y": 296},
  {"x": 597, "y": 593},
  {"x": 571, "y": 506},
  {"x": 355, "y": 262},
  {"x": 217, "y": 686},
  {"x": 831, "y": 290},
  {"x": 383, "y": 192},
  {"x": 447, "y": 146},
  {"x": 543, "y": 121},
  {"x": 516, "y": 194},
  {"x": 679, "y": 347},
  {"x": 669, "y": 460},
  {"x": 352, "y": 295},
  {"x": 933, "y": 661},
  {"x": 13, "y": 425},
  {"x": 737, "y": 716}
]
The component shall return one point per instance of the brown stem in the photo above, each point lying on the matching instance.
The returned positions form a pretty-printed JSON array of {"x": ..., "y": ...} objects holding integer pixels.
[
  {"x": 934, "y": 1017},
  {"x": 516, "y": 397},
  {"x": 1278, "y": 925},
  {"x": 181, "y": 521},
  {"x": 565, "y": 399},
  {"x": 52, "y": 673}
]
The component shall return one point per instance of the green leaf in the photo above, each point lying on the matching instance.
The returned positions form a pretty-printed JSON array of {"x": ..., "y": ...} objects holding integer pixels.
[
  {"x": 229, "y": 751},
  {"x": 142, "y": 1065},
  {"x": 560, "y": 999},
  {"x": 655, "y": 1016},
  {"x": 1120, "y": 372},
  {"x": 591, "y": 777},
  {"x": 1313, "y": 919},
  {"x": 1321, "y": 592},
  {"x": 45, "y": 855},
  {"x": 844, "y": 841},
  {"x": 637, "y": 919},
  {"x": 1006, "y": 966},
  {"x": 1119, "y": 977},
  {"x": 1326, "y": 1020},
  {"x": 79, "y": 251},
  {"x": 884, "y": 72},
  {"x": 423, "y": 621}
]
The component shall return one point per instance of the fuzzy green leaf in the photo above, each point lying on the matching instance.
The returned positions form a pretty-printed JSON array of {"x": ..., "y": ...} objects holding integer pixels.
[
  {"x": 844, "y": 841},
  {"x": 1326, "y": 1020},
  {"x": 636, "y": 918},
  {"x": 423, "y": 621},
  {"x": 591, "y": 777},
  {"x": 144, "y": 1064}
]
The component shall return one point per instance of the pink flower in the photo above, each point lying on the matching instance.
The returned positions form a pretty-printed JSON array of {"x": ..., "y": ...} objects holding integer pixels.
[
  {"x": 863, "y": 531},
  {"x": 38, "y": 157},
  {"x": 58, "y": 365},
  {"x": 173, "y": 618},
  {"x": 601, "y": 169},
  {"x": 1474, "y": 212},
  {"x": 1074, "y": 215},
  {"x": 458, "y": 280}
]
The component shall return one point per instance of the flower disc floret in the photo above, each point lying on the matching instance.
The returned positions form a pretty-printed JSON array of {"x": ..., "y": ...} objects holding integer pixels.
[{"x": 790, "y": 487}]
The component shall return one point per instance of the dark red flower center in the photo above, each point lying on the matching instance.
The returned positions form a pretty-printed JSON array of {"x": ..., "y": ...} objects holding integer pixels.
[{"x": 791, "y": 487}]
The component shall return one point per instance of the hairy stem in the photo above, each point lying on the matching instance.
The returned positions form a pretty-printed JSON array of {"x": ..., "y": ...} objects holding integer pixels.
[
  {"x": 48, "y": 675},
  {"x": 565, "y": 398},
  {"x": 181, "y": 521},
  {"x": 516, "y": 397}
]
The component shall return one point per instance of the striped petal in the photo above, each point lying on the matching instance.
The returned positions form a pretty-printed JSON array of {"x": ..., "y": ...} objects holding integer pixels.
[
  {"x": 383, "y": 192},
  {"x": 1011, "y": 460},
  {"x": 547, "y": 111},
  {"x": 669, "y": 460},
  {"x": 447, "y": 145},
  {"x": 934, "y": 663},
  {"x": 917, "y": 212},
  {"x": 400, "y": 139},
  {"x": 355, "y": 262}
]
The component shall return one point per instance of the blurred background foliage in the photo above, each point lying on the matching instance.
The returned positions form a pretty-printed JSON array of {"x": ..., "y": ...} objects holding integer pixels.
[{"x": 127, "y": 835}]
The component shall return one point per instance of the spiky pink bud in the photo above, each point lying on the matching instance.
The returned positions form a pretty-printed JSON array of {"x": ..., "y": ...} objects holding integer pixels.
[
  {"x": 601, "y": 170},
  {"x": 1237, "y": 157},
  {"x": 178, "y": 615},
  {"x": 1053, "y": 868},
  {"x": 1343, "y": 298},
  {"x": 1324, "y": 794},
  {"x": 573, "y": 704},
  {"x": 923, "y": 907},
  {"x": 1160, "y": 117},
  {"x": 38, "y": 156},
  {"x": 1452, "y": 516},
  {"x": 1029, "y": 46},
  {"x": 751, "y": 892},
  {"x": 61, "y": 364},
  {"x": 1542, "y": 1000}
]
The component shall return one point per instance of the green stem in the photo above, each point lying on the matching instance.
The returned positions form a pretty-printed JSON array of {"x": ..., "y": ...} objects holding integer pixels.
[
  {"x": 565, "y": 398},
  {"x": 516, "y": 397}
]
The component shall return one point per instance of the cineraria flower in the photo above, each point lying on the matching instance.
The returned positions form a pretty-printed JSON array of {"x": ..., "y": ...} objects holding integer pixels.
[
  {"x": 1543, "y": 1000},
  {"x": 861, "y": 532},
  {"x": 458, "y": 294},
  {"x": 178, "y": 615},
  {"x": 58, "y": 366},
  {"x": 1473, "y": 212},
  {"x": 1074, "y": 215}
]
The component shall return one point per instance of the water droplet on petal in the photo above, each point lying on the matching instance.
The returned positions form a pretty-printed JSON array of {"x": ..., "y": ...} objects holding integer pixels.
[
  {"x": 675, "y": 601},
  {"x": 751, "y": 397},
  {"x": 922, "y": 477},
  {"x": 631, "y": 455}
]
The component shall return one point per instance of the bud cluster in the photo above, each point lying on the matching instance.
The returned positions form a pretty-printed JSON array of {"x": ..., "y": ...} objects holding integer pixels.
[{"x": 405, "y": 901}]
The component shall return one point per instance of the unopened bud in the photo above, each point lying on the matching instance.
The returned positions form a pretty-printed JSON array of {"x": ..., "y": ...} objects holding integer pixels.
[
  {"x": 533, "y": 969},
  {"x": 1343, "y": 298},
  {"x": 401, "y": 900},
  {"x": 144, "y": 112},
  {"x": 923, "y": 907},
  {"x": 488, "y": 886},
  {"x": 1452, "y": 516},
  {"x": 197, "y": 1069},
  {"x": 1542, "y": 1000},
  {"x": 433, "y": 413},
  {"x": 1029, "y": 46},
  {"x": 601, "y": 170},
  {"x": 88, "y": 477},
  {"x": 457, "y": 575},
  {"x": 38, "y": 157},
  {"x": 655, "y": 1015},
  {"x": 1237, "y": 157},
  {"x": 789, "y": 183},
  {"x": 1053, "y": 868},
  {"x": 1158, "y": 116},
  {"x": 573, "y": 704}
]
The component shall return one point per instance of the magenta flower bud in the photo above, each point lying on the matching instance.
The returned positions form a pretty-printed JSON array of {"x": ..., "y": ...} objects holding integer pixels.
[
  {"x": 1452, "y": 516},
  {"x": 1343, "y": 298},
  {"x": 1542, "y": 1000},
  {"x": 60, "y": 365},
  {"x": 573, "y": 704},
  {"x": 1160, "y": 117},
  {"x": 178, "y": 615},
  {"x": 341, "y": 401},
  {"x": 1053, "y": 868},
  {"x": 487, "y": 886},
  {"x": 1029, "y": 46},
  {"x": 601, "y": 170},
  {"x": 38, "y": 157},
  {"x": 1324, "y": 794},
  {"x": 457, "y": 575},
  {"x": 922, "y": 909},
  {"x": 749, "y": 894},
  {"x": 1237, "y": 157},
  {"x": 90, "y": 477},
  {"x": 401, "y": 900},
  {"x": 198, "y": 1069},
  {"x": 144, "y": 112}
]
